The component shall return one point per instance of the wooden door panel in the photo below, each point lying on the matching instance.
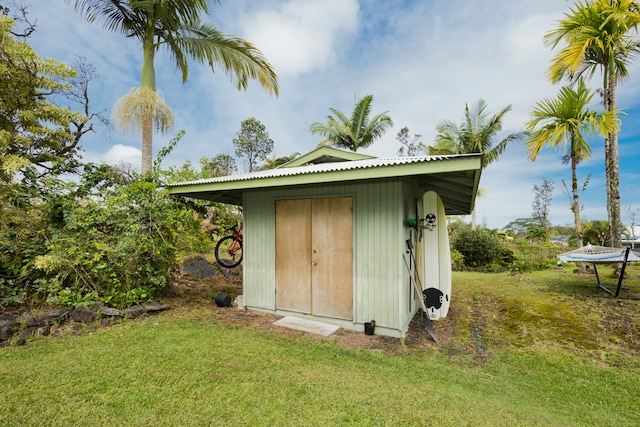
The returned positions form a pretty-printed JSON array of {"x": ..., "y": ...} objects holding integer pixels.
[
  {"x": 332, "y": 257},
  {"x": 293, "y": 255}
]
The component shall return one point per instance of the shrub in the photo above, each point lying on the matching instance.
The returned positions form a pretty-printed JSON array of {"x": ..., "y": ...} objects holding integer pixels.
[
  {"x": 531, "y": 257},
  {"x": 71, "y": 247},
  {"x": 478, "y": 247},
  {"x": 457, "y": 260}
]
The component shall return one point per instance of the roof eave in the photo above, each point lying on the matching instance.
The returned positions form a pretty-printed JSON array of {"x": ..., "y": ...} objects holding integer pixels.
[{"x": 459, "y": 175}]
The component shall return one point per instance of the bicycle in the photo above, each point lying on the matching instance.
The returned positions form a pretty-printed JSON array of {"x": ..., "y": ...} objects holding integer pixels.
[{"x": 228, "y": 250}]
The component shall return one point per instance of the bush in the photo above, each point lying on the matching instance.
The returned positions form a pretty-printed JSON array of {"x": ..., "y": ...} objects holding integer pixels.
[
  {"x": 457, "y": 260},
  {"x": 70, "y": 247},
  {"x": 531, "y": 257},
  {"x": 479, "y": 248}
]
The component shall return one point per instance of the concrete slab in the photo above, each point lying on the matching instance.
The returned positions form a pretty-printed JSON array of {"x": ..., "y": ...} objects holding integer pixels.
[{"x": 305, "y": 325}]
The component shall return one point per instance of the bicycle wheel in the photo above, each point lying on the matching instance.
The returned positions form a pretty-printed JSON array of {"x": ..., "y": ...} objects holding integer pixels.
[{"x": 229, "y": 252}]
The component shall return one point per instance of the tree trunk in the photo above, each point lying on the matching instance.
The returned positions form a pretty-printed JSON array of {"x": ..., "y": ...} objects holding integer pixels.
[
  {"x": 575, "y": 205},
  {"x": 147, "y": 144},
  {"x": 612, "y": 169},
  {"x": 148, "y": 80}
]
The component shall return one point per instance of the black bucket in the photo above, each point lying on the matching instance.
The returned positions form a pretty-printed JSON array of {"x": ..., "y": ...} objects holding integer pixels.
[
  {"x": 369, "y": 327},
  {"x": 223, "y": 300}
]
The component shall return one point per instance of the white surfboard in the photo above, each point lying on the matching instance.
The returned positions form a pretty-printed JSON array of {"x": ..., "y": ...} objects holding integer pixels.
[{"x": 436, "y": 274}]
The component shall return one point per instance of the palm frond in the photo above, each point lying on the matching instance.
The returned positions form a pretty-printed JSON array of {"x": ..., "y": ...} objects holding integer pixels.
[{"x": 353, "y": 132}]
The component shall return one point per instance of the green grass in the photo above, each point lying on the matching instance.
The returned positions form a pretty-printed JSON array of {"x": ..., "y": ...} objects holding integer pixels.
[{"x": 554, "y": 353}]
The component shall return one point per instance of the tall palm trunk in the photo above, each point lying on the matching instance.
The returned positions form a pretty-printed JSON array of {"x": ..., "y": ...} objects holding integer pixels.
[
  {"x": 575, "y": 205},
  {"x": 148, "y": 80},
  {"x": 612, "y": 168}
]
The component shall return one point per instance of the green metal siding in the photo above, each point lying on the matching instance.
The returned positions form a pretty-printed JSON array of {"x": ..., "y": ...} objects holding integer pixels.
[
  {"x": 380, "y": 281},
  {"x": 259, "y": 250}
]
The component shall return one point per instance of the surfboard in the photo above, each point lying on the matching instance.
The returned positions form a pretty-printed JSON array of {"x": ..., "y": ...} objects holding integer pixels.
[{"x": 436, "y": 273}]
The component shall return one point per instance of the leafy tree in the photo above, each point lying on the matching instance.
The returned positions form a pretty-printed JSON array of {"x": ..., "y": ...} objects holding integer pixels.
[
  {"x": 541, "y": 203},
  {"x": 409, "y": 146},
  {"x": 475, "y": 134},
  {"x": 33, "y": 130},
  {"x": 210, "y": 167},
  {"x": 355, "y": 132},
  {"x": 562, "y": 122},
  {"x": 175, "y": 25},
  {"x": 183, "y": 173},
  {"x": 520, "y": 226},
  {"x": 218, "y": 165},
  {"x": 252, "y": 141},
  {"x": 599, "y": 35}
]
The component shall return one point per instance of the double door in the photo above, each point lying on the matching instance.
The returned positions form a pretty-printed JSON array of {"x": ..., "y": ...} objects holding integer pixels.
[{"x": 314, "y": 256}]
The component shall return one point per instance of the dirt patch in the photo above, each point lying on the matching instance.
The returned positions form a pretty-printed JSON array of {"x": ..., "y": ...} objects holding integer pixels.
[{"x": 195, "y": 300}]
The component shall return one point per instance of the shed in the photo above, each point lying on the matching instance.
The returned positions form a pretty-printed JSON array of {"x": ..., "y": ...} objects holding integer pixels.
[{"x": 325, "y": 235}]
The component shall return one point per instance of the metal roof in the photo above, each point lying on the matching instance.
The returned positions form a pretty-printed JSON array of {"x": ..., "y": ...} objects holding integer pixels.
[{"x": 454, "y": 177}]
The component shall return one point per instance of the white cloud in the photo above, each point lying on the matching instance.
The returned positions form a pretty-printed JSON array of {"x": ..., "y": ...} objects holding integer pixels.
[
  {"x": 302, "y": 35},
  {"x": 422, "y": 61},
  {"x": 116, "y": 155}
]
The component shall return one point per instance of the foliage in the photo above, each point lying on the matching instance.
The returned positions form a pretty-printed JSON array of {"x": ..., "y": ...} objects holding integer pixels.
[
  {"x": 534, "y": 256},
  {"x": 218, "y": 165},
  {"x": 33, "y": 130},
  {"x": 562, "y": 123},
  {"x": 139, "y": 103},
  {"x": 252, "y": 141},
  {"x": 355, "y": 132},
  {"x": 177, "y": 27},
  {"x": 409, "y": 147},
  {"x": 599, "y": 35},
  {"x": 216, "y": 217},
  {"x": 537, "y": 234},
  {"x": 541, "y": 202},
  {"x": 457, "y": 260},
  {"x": 479, "y": 248},
  {"x": 99, "y": 239},
  {"x": 475, "y": 134},
  {"x": 597, "y": 233},
  {"x": 519, "y": 226},
  {"x": 275, "y": 161}
]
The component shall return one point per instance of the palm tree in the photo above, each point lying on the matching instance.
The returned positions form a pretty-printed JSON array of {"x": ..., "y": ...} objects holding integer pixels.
[
  {"x": 598, "y": 36},
  {"x": 563, "y": 122},
  {"x": 355, "y": 132},
  {"x": 275, "y": 161},
  {"x": 475, "y": 134},
  {"x": 175, "y": 25}
]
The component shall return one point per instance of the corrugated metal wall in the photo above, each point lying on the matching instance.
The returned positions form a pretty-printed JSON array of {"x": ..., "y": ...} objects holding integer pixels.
[{"x": 381, "y": 280}]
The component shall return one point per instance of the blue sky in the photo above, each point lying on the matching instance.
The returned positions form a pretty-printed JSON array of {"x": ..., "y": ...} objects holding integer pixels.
[{"x": 421, "y": 60}]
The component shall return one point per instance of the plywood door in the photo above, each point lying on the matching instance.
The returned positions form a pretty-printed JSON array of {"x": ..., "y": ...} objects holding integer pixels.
[
  {"x": 293, "y": 255},
  {"x": 332, "y": 257},
  {"x": 314, "y": 256}
]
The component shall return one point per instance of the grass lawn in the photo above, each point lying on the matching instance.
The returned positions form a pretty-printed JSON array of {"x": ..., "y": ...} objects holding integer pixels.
[{"x": 523, "y": 350}]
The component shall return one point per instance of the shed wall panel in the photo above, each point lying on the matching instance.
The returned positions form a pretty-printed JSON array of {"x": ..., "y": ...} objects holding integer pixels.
[
  {"x": 259, "y": 250},
  {"x": 380, "y": 280}
]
